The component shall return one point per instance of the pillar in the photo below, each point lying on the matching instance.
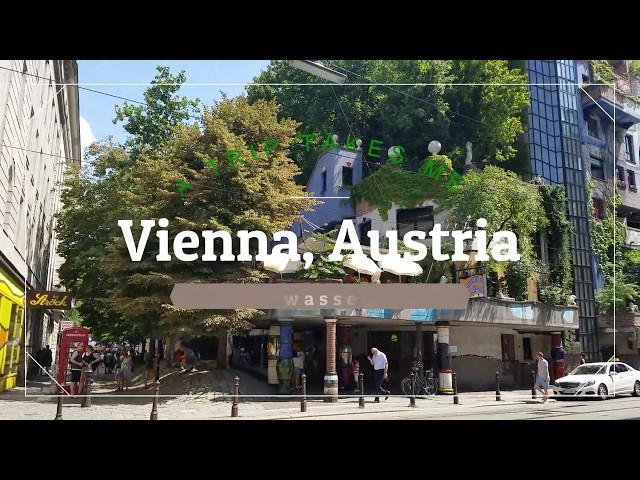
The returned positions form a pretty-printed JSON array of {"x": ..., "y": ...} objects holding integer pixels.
[
  {"x": 285, "y": 362},
  {"x": 331, "y": 377},
  {"x": 557, "y": 356},
  {"x": 445, "y": 380},
  {"x": 344, "y": 366}
]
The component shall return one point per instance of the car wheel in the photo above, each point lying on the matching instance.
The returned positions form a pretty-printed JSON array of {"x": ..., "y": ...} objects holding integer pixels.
[
  {"x": 636, "y": 389},
  {"x": 603, "y": 392}
]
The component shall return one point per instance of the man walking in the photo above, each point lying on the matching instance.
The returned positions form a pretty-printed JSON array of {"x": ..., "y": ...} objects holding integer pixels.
[
  {"x": 380, "y": 371},
  {"x": 47, "y": 358},
  {"x": 542, "y": 378}
]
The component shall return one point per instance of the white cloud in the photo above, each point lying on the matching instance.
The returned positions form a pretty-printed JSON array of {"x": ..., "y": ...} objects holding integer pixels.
[{"x": 86, "y": 134}]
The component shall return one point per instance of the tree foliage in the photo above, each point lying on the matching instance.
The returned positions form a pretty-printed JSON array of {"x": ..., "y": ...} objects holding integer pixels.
[
  {"x": 489, "y": 113},
  {"x": 120, "y": 298}
]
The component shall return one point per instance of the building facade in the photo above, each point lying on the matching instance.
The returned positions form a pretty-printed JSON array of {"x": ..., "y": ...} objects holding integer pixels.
[
  {"x": 39, "y": 136},
  {"x": 610, "y": 132}
]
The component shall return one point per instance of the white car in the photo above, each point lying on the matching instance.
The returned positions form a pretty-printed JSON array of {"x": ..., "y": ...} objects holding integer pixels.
[{"x": 604, "y": 380}]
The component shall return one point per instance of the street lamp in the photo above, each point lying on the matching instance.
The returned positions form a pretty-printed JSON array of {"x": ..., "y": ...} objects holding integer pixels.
[{"x": 319, "y": 70}]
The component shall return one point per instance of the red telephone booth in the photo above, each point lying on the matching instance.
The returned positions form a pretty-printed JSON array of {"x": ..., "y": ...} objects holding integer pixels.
[{"x": 69, "y": 341}]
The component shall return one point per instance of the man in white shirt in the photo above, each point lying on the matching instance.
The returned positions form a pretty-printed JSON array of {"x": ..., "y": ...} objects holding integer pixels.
[
  {"x": 380, "y": 371},
  {"x": 542, "y": 377}
]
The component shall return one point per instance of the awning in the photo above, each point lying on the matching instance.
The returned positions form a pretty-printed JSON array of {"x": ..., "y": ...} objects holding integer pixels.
[
  {"x": 281, "y": 264},
  {"x": 399, "y": 266},
  {"x": 361, "y": 264}
]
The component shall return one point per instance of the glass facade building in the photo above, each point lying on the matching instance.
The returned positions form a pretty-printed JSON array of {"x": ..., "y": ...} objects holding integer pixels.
[{"x": 555, "y": 146}]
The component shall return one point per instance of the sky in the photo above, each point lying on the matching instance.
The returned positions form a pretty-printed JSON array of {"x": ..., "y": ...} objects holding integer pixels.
[{"x": 97, "y": 111}]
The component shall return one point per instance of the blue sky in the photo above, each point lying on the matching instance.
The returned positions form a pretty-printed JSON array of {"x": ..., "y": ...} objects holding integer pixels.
[{"x": 97, "y": 111}]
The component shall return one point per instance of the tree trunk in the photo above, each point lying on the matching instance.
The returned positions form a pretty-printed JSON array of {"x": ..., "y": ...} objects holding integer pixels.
[
  {"x": 169, "y": 351},
  {"x": 223, "y": 356}
]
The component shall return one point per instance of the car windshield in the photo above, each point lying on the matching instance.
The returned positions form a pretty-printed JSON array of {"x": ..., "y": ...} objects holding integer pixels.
[{"x": 589, "y": 370}]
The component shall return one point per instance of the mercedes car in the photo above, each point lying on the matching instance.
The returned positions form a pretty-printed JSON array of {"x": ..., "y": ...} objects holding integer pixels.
[{"x": 599, "y": 380}]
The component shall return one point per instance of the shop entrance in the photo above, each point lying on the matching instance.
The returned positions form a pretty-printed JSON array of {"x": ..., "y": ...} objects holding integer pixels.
[{"x": 399, "y": 346}]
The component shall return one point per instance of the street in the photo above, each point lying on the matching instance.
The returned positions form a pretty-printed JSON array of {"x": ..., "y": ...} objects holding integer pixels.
[{"x": 516, "y": 405}]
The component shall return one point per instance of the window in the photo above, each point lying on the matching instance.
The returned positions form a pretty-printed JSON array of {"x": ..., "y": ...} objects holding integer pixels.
[
  {"x": 592, "y": 127},
  {"x": 628, "y": 149},
  {"x": 597, "y": 168},
  {"x": 598, "y": 208},
  {"x": 347, "y": 176},
  {"x": 414, "y": 219},
  {"x": 365, "y": 227},
  {"x": 620, "y": 368},
  {"x": 632, "y": 179},
  {"x": 526, "y": 348},
  {"x": 324, "y": 182},
  {"x": 620, "y": 172}
]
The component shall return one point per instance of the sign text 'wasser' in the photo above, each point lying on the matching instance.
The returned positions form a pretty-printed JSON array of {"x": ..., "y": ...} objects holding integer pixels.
[
  {"x": 47, "y": 299},
  {"x": 293, "y": 296}
]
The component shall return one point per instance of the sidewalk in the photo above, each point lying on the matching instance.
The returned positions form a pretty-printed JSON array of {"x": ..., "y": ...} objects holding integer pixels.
[{"x": 14, "y": 405}]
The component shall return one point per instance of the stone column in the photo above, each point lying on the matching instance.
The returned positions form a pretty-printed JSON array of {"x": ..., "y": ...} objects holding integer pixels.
[
  {"x": 285, "y": 362},
  {"x": 445, "y": 380},
  {"x": 557, "y": 356},
  {"x": 331, "y": 377}
]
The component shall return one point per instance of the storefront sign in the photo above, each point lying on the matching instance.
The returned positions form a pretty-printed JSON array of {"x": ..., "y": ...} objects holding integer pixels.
[
  {"x": 46, "y": 299},
  {"x": 64, "y": 324},
  {"x": 294, "y": 296}
]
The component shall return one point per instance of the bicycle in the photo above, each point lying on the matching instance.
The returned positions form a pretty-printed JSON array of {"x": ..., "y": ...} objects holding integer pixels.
[{"x": 426, "y": 384}]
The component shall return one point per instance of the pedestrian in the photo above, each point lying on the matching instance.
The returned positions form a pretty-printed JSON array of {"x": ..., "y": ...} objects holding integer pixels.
[
  {"x": 47, "y": 358},
  {"x": 583, "y": 358},
  {"x": 126, "y": 368},
  {"x": 38, "y": 361},
  {"x": 355, "y": 369},
  {"x": 90, "y": 362},
  {"x": 149, "y": 363},
  {"x": 380, "y": 371},
  {"x": 298, "y": 369},
  {"x": 75, "y": 361},
  {"x": 542, "y": 378},
  {"x": 118, "y": 367},
  {"x": 109, "y": 361}
]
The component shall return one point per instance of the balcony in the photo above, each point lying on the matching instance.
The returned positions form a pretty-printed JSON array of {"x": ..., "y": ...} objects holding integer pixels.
[
  {"x": 625, "y": 111},
  {"x": 526, "y": 316},
  {"x": 632, "y": 237}
]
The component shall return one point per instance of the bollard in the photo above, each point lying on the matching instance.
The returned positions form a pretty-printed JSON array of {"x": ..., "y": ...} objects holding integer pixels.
[
  {"x": 361, "y": 384},
  {"x": 455, "y": 389},
  {"x": 236, "y": 389},
  {"x": 533, "y": 388},
  {"x": 86, "y": 400},
  {"x": 303, "y": 402},
  {"x": 154, "y": 408},
  {"x": 412, "y": 398},
  {"x": 59, "y": 409},
  {"x": 497, "y": 386}
]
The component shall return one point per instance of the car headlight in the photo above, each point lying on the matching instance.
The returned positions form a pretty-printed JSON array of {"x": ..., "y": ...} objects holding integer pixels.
[{"x": 589, "y": 383}]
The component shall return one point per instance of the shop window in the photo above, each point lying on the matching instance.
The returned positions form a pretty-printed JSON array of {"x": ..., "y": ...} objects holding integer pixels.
[
  {"x": 347, "y": 176},
  {"x": 597, "y": 168},
  {"x": 628, "y": 149},
  {"x": 414, "y": 219}
]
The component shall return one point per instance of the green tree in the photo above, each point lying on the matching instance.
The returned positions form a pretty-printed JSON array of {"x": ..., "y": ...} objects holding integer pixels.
[
  {"x": 151, "y": 124},
  {"x": 408, "y": 115},
  {"x": 507, "y": 203}
]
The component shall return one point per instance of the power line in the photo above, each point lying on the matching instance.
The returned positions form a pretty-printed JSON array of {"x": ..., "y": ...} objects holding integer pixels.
[
  {"x": 409, "y": 95},
  {"x": 41, "y": 153}
]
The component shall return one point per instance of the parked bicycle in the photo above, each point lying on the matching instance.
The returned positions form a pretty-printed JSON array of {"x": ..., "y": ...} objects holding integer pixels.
[{"x": 425, "y": 384}]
